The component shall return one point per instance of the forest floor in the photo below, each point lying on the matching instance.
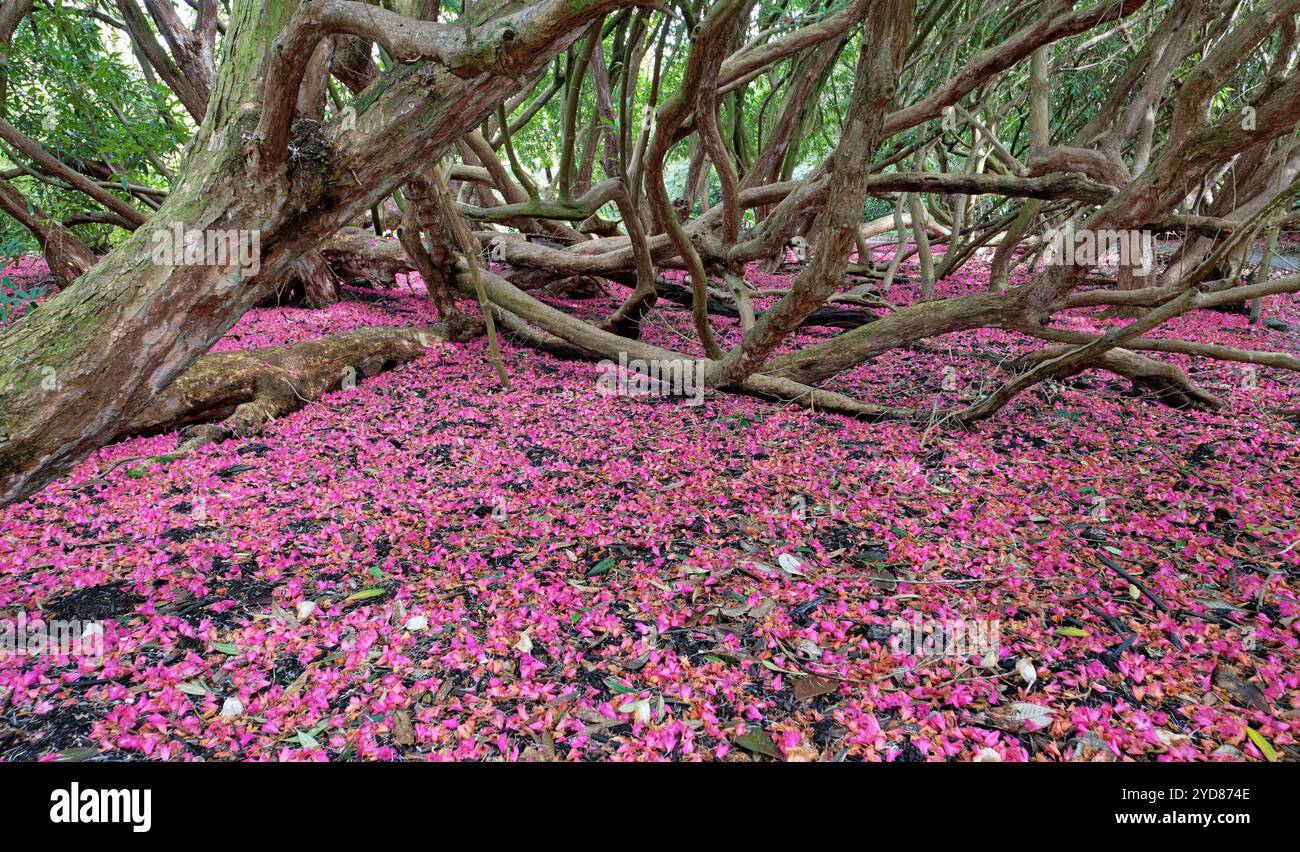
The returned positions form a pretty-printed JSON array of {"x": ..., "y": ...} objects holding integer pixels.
[{"x": 428, "y": 567}]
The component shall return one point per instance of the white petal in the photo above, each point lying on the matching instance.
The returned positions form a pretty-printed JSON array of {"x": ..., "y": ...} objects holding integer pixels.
[
  {"x": 790, "y": 564},
  {"x": 1026, "y": 670}
]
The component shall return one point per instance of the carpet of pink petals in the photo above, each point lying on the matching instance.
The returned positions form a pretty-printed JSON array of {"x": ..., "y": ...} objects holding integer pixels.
[{"x": 427, "y": 567}]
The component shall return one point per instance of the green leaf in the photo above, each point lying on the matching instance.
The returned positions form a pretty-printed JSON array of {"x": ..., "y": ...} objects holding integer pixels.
[
  {"x": 618, "y": 688},
  {"x": 306, "y": 740},
  {"x": 77, "y": 755},
  {"x": 1072, "y": 631},
  {"x": 1265, "y": 747},
  {"x": 364, "y": 594},
  {"x": 601, "y": 567},
  {"x": 227, "y": 648},
  {"x": 759, "y": 741}
]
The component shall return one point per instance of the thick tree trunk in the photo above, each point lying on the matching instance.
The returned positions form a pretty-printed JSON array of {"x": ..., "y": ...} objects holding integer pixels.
[
  {"x": 357, "y": 255},
  {"x": 319, "y": 285},
  {"x": 125, "y": 330}
]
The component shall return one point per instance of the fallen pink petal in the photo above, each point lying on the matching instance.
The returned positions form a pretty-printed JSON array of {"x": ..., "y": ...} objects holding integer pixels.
[{"x": 618, "y": 381}]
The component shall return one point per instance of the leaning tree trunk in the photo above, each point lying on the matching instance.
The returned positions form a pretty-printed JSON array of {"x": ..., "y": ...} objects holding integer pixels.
[
  {"x": 66, "y": 255},
  {"x": 97, "y": 354}
]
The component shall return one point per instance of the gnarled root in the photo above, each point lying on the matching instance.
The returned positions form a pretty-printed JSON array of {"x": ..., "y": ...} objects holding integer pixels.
[
  {"x": 1166, "y": 382},
  {"x": 320, "y": 287},
  {"x": 569, "y": 336},
  {"x": 246, "y": 389},
  {"x": 355, "y": 255}
]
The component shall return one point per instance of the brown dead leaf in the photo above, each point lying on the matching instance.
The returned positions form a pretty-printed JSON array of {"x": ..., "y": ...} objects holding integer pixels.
[
  {"x": 297, "y": 685},
  {"x": 884, "y": 579},
  {"x": 403, "y": 730},
  {"x": 808, "y": 688},
  {"x": 1242, "y": 691}
]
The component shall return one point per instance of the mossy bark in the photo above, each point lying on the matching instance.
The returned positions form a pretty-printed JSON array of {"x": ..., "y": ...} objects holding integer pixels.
[{"x": 97, "y": 354}]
